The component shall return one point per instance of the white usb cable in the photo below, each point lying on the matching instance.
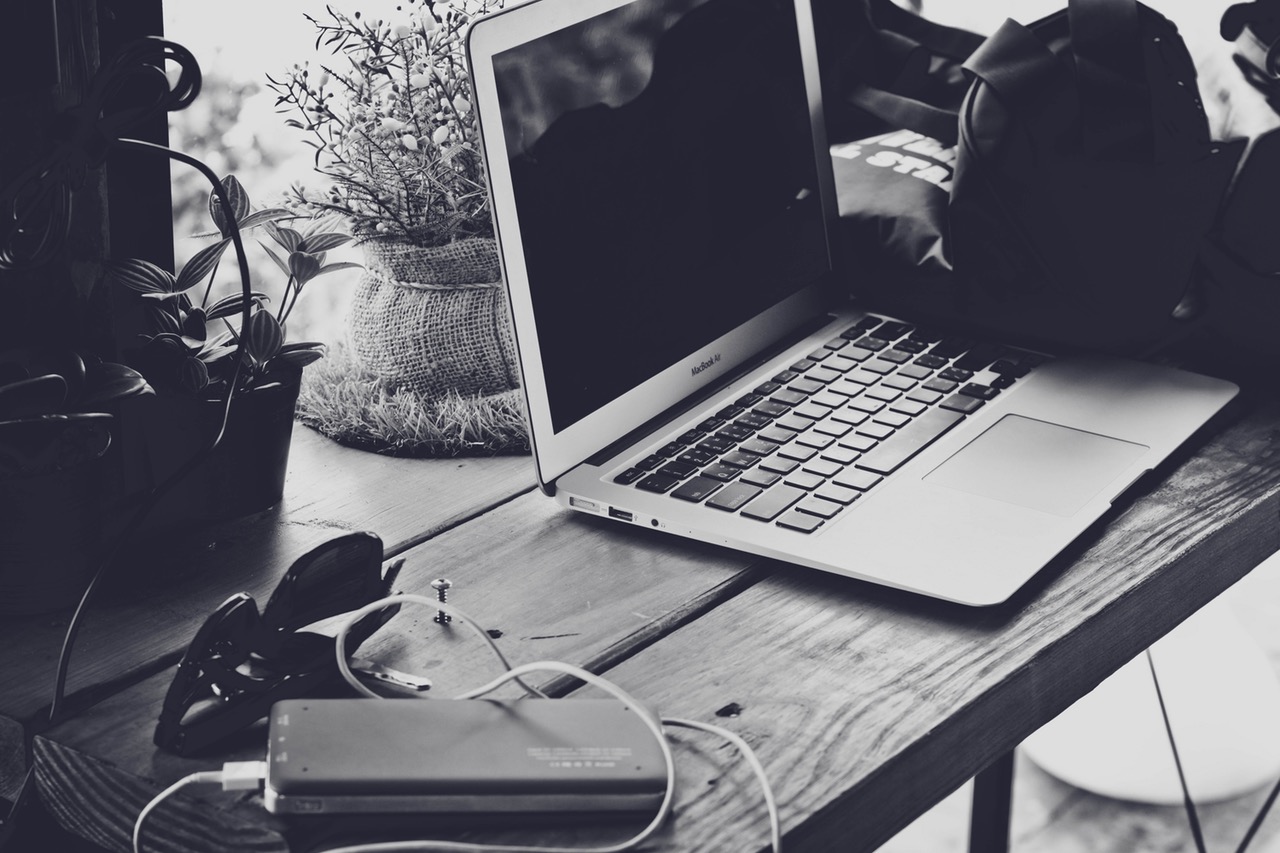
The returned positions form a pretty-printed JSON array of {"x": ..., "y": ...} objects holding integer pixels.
[{"x": 247, "y": 775}]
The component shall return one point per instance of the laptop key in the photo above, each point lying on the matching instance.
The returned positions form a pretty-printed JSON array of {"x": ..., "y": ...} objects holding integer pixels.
[
  {"x": 717, "y": 444},
  {"x": 761, "y": 478},
  {"x": 658, "y": 482},
  {"x": 780, "y": 465},
  {"x": 819, "y": 507},
  {"x": 734, "y": 496},
  {"x": 772, "y": 503},
  {"x": 839, "y": 494},
  {"x": 754, "y": 420},
  {"x": 738, "y": 459},
  {"x": 960, "y": 403},
  {"x": 787, "y": 398},
  {"x": 855, "y": 479},
  {"x": 696, "y": 456},
  {"x": 722, "y": 473},
  {"x": 629, "y": 476},
  {"x": 805, "y": 387},
  {"x": 697, "y": 489},
  {"x": 806, "y": 480},
  {"x": 776, "y": 435},
  {"x": 756, "y": 447},
  {"x": 910, "y": 440},
  {"x": 677, "y": 469},
  {"x": 981, "y": 392},
  {"x": 796, "y": 520}
]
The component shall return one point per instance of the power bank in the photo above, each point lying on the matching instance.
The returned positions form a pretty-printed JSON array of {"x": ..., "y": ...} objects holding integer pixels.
[{"x": 460, "y": 756}]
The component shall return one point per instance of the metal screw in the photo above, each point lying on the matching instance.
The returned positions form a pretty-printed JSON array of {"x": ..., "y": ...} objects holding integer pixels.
[{"x": 441, "y": 586}]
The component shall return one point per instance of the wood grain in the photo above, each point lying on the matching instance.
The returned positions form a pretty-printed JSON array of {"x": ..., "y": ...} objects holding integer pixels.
[
  {"x": 866, "y": 705},
  {"x": 554, "y": 584}
]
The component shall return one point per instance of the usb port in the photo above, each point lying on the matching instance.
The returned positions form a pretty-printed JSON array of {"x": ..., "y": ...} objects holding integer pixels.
[{"x": 621, "y": 514}]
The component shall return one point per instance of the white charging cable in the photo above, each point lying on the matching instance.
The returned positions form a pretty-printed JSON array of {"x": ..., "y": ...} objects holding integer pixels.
[
  {"x": 234, "y": 776},
  {"x": 654, "y": 724},
  {"x": 246, "y": 775}
]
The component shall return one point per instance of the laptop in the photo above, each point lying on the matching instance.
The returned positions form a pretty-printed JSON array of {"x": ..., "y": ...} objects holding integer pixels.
[{"x": 663, "y": 200}]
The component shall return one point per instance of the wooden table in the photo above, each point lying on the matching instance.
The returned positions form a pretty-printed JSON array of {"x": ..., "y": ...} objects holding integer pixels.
[{"x": 866, "y": 705}]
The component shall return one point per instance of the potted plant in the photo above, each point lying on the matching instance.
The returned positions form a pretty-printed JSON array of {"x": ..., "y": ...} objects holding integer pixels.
[
  {"x": 209, "y": 382},
  {"x": 55, "y": 427},
  {"x": 397, "y": 143}
]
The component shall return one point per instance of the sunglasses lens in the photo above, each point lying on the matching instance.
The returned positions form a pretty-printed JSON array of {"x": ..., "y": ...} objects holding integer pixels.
[{"x": 336, "y": 577}]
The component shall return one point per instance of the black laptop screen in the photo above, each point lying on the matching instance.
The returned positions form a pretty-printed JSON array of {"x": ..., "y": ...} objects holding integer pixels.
[{"x": 664, "y": 178}]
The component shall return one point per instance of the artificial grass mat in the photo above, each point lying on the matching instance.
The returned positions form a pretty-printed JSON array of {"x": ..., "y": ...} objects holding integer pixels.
[{"x": 349, "y": 404}]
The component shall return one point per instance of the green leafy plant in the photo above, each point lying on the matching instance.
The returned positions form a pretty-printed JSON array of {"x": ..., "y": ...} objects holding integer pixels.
[
  {"x": 191, "y": 345},
  {"x": 392, "y": 123}
]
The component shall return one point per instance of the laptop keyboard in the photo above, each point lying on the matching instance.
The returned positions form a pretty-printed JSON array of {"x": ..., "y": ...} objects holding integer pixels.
[{"x": 805, "y": 444}]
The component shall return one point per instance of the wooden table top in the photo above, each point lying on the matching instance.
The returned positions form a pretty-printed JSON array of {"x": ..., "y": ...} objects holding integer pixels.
[{"x": 866, "y": 705}]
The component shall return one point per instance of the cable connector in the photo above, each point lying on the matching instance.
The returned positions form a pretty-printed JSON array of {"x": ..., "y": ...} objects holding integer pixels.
[{"x": 243, "y": 775}]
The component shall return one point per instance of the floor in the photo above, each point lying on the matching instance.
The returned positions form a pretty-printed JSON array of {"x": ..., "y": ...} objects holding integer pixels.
[{"x": 1053, "y": 817}]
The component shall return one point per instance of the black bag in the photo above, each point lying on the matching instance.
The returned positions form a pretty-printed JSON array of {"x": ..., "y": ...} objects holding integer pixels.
[{"x": 1085, "y": 183}]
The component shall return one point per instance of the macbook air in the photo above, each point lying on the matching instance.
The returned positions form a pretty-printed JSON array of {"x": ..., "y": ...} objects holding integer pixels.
[{"x": 663, "y": 200}]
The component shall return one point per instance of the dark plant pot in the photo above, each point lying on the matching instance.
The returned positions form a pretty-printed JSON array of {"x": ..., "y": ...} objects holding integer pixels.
[
  {"x": 243, "y": 475},
  {"x": 51, "y": 494}
]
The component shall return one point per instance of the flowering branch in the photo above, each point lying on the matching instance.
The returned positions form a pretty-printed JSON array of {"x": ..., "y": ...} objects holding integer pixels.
[{"x": 394, "y": 133}]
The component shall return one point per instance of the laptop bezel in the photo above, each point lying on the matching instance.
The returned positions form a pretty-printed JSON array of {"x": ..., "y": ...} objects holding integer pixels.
[{"x": 558, "y": 452}]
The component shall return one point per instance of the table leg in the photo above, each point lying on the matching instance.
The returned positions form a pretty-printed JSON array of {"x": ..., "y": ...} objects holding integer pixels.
[{"x": 992, "y": 802}]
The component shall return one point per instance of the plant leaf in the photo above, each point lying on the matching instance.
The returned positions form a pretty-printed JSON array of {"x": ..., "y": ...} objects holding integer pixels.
[
  {"x": 341, "y": 265},
  {"x": 324, "y": 242},
  {"x": 141, "y": 276},
  {"x": 265, "y": 337},
  {"x": 287, "y": 237},
  {"x": 194, "y": 325},
  {"x": 239, "y": 205},
  {"x": 109, "y": 381},
  {"x": 162, "y": 320},
  {"x": 297, "y": 345},
  {"x": 260, "y": 217},
  {"x": 303, "y": 267},
  {"x": 193, "y": 375},
  {"x": 229, "y": 306},
  {"x": 300, "y": 357},
  {"x": 200, "y": 265},
  {"x": 284, "y": 268}
]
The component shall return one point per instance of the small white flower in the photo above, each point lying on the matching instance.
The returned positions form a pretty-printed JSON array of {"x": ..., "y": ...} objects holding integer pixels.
[
  {"x": 409, "y": 141},
  {"x": 402, "y": 31},
  {"x": 441, "y": 135},
  {"x": 462, "y": 105},
  {"x": 390, "y": 125},
  {"x": 420, "y": 81}
]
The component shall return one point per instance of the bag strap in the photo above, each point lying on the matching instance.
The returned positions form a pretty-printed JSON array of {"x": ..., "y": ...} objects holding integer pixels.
[
  {"x": 908, "y": 46},
  {"x": 1115, "y": 101},
  {"x": 951, "y": 42},
  {"x": 901, "y": 111}
]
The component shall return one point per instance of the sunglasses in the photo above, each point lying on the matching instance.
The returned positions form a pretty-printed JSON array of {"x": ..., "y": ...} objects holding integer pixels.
[{"x": 242, "y": 661}]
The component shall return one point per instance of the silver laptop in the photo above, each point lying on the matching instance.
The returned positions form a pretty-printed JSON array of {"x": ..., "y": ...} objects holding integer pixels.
[{"x": 662, "y": 194}]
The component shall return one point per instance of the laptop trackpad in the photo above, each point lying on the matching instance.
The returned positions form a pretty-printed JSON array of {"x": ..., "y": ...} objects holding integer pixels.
[{"x": 1036, "y": 464}]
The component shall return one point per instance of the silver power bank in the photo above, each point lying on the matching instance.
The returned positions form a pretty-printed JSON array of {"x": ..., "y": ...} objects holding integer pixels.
[{"x": 460, "y": 756}]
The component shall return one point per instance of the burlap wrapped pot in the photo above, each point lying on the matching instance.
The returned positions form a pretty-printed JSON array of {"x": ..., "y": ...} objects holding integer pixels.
[{"x": 434, "y": 319}]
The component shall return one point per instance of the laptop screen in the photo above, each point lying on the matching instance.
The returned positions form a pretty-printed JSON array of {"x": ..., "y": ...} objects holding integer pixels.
[{"x": 663, "y": 172}]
